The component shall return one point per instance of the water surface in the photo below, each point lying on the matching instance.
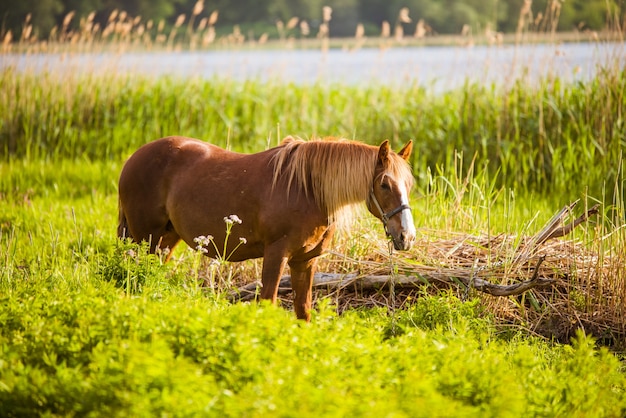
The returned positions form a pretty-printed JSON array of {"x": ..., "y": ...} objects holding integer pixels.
[{"x": 434, "y": 67}]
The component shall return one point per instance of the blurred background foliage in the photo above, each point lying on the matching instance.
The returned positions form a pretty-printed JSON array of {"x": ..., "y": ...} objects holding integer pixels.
[{"x": 257, "y": 17}]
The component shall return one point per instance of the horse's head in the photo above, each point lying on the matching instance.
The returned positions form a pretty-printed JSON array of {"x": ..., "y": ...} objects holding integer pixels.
[{"x": 388, "y": 199}]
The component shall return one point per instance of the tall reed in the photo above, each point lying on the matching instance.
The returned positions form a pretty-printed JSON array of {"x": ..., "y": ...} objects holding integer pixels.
[{"x": 549, "y": 138}]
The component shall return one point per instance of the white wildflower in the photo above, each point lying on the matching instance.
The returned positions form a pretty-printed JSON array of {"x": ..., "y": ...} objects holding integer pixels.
[
  {"x": 232, "y": 219},
  {"x": 202, "y": 242}
]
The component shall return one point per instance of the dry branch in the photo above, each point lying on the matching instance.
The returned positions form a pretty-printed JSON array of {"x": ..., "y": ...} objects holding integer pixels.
[
  {"x": 552, "y": 228},
  {"x": 336, "y": 281},
  {"x": 471, "y": 275}
]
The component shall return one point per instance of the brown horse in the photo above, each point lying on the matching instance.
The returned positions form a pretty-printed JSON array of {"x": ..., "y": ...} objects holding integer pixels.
[{"x": 288, "y": 198}]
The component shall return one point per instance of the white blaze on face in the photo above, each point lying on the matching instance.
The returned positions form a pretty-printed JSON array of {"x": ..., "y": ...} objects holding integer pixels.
[{"x": 406, "y": 217}]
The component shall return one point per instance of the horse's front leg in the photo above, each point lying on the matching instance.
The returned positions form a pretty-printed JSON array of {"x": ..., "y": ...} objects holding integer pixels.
[
  {"x": 303, "y": 267},
  {"x": 301, "y": 282},
  {"x": 274, "y": 260}
]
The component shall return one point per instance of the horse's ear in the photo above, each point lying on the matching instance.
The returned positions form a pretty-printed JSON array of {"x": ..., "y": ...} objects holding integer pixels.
[
  {"x": 405, "y": 152},
  {"x": 383, "y": 152}
]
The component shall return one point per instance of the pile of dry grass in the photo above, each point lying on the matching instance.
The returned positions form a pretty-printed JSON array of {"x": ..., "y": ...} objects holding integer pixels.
[
  {"x": 545, "y": 284},
  {"x": 581, "y": 289}
]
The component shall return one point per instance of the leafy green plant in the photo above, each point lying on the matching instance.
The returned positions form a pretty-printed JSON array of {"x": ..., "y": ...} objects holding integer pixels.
[
  {"x": 92, "y": 352},
  {"x": 130, "y": 266}
]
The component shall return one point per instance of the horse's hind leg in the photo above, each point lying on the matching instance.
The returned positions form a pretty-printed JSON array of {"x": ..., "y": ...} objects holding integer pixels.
[
  {"x": 154, "y": 228},
  {"x": 122, "y": 226},
  {"x": 168, "y": 239}
]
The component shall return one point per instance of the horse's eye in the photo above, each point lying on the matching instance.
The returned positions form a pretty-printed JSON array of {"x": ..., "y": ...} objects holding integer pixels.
[{"x": 385, "y": 186}]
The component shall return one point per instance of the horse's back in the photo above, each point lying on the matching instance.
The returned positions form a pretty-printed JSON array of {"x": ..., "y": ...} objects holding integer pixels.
[
  {"x": 156, "y": 162},
  {"x": 161, "y": 153},
  {"x": 186, "y": 186}
]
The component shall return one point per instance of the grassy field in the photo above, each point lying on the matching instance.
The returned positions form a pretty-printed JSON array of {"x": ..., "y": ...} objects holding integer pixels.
[{"x": 93, "y": 326}]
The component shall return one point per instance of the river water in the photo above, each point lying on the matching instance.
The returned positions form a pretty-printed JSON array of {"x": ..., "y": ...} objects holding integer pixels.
[{"x": 439, "y": 68}]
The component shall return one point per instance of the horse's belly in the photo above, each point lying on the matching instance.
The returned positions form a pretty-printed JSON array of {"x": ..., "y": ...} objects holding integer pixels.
[
  {"x": 216, "y": 234},
  {"x": 204, "y": 209},
  {"x": 242, "y": 253}
]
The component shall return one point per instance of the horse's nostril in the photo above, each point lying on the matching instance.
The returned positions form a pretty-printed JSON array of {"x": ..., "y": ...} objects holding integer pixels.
[
  {"x": 405, "y": 241},
  {"x": 402, "y": 244}
]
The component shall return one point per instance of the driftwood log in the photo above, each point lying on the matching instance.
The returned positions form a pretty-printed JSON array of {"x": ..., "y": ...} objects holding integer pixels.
[{"x": 470, "y": 278}]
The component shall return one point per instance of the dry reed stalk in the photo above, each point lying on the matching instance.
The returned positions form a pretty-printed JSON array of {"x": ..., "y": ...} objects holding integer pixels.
[
  {"x": 64, "y": 34},
  {"x": 213, "y": 17},
  {"x": 203, "y": 24},
  {"x": 360, "y": 31},
  {"x": 385, "y": 29},
  {"x": 323, "y": 31},
  {"x": 263, "y": 38},
  {"x": 68, "y": 18},
  {"x": 555, "y": 13},
  {"x": 305, "y": 30},
  {"x": 26, "y": 33},
  {"x": 6, "y": 42},
  {"x": 524, "y": 14},
  {"x": 420, "y": 29},
  {"x": 493, "y": 37},
  {"x": 327, "y": 13},
  {"x": 398, "y": 33},
  {"x": 237, "y": 37},
  {"x": 403, "y": 17},
  {"x": 197, "y": 9},
  {"x": 467, "y": 39},
  {"x": 280, "y": 28},
  {"x": 292, "y": 23},
  {"x": 209, "y": 36},
  {"x": 179, "y": 22},
  {"x": 359, "y": 37}
]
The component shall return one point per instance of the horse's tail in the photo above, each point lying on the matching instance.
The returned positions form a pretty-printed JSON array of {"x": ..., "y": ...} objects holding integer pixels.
[{"x": 122, "y": 225}]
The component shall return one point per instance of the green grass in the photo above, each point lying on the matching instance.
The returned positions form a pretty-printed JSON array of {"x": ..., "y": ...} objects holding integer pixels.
[{"x": 94, "y": 326}]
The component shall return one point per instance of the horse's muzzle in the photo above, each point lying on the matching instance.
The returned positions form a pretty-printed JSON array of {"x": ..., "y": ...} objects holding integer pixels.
[{"x": 404, "y": 242}]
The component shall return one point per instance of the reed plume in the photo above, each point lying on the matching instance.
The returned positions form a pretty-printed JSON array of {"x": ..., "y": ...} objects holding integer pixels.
[
  {"x": 305, "y": 30},
  {"x": 6, "y": 42},
  {"x": 524, "y": 14},
  {"x": 197, "y": 9},
  {"x": 385, "y": 29}
]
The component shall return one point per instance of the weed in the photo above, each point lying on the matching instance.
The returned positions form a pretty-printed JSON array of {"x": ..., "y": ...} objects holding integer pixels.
[{"x": 130, "y": 266}]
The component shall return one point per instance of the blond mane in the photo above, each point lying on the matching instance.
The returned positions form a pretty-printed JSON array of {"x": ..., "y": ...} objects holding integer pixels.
[{"x": 337, "y": 172}]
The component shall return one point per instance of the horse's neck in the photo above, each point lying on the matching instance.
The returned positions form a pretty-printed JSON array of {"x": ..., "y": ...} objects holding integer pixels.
[
  {"x": 346, "y": 181},
  {"x": 337, "y": 175}
]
